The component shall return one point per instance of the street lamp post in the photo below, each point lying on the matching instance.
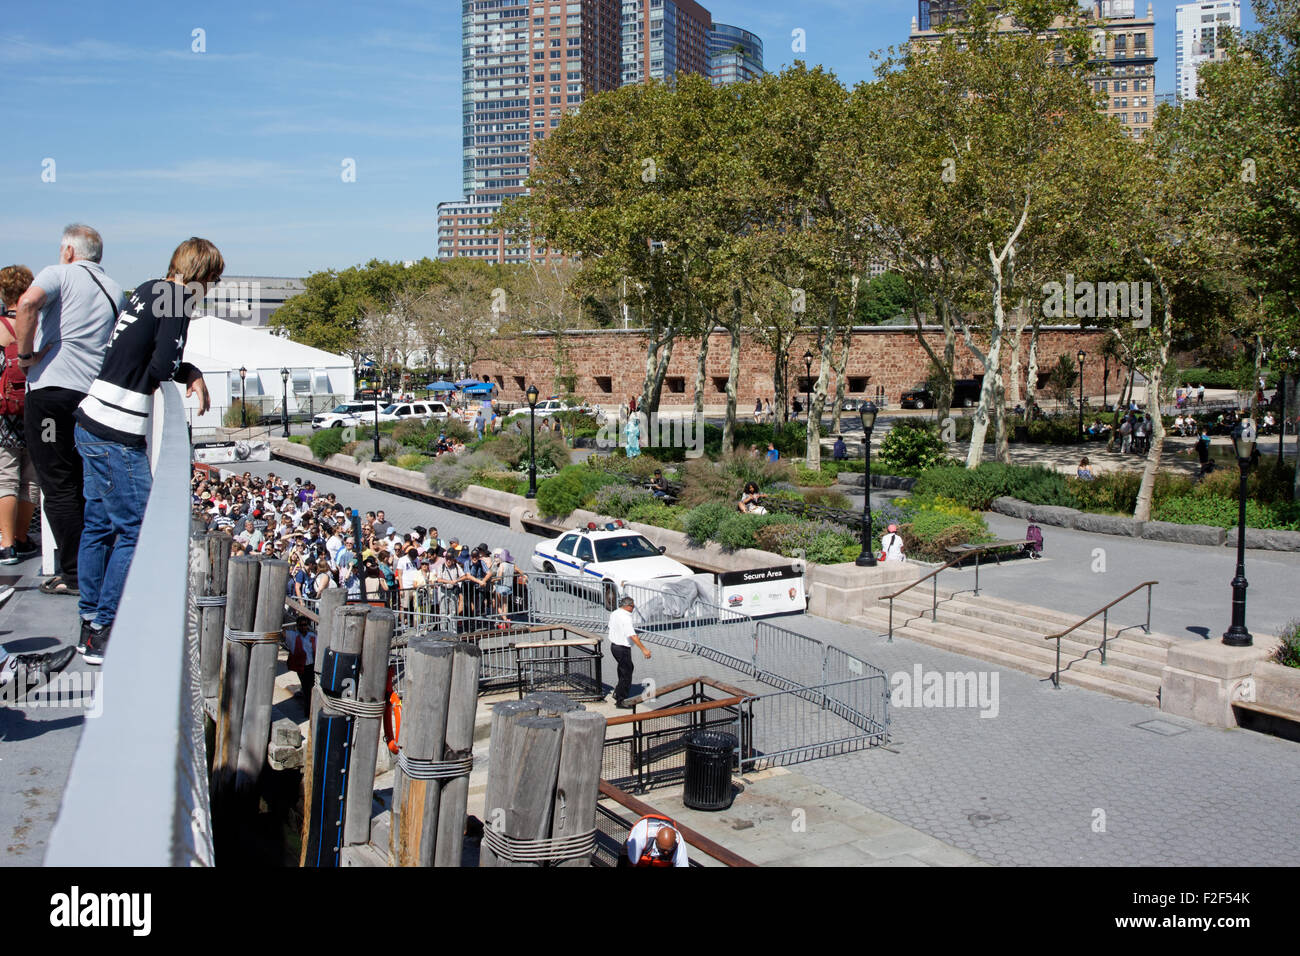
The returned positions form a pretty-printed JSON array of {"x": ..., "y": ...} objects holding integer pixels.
[
  {"x": 376, "y": 456},
  {"x": 532, "y": 454},
  {"x": 1082, "y": 355},
  {"x": 284, "y": 413},
  {"x": 807, "y": 385},
  {"x": 867, "y": 412},
  {"x": 1243, "y": 443},
  {"x": 243, "y": 397}
]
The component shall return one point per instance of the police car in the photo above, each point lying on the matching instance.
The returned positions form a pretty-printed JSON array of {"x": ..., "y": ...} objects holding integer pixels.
[{"x": 605, "y": 558}]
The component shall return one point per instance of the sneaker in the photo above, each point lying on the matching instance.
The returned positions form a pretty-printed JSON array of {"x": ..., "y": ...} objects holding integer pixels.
[
  {"x": 83, "y": 641},
  {"x": 38, "y": 667},
  {"x": 98, "y": 643},
  {"x": 8, "y": 555},
  {"x": 27, "y": 548}
]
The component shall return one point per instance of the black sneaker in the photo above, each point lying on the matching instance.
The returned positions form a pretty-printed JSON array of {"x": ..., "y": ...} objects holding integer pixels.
[
  {"x": 37, "y": 668},
  {"x": 25, "y": 549},
  {"x": 98, "y": 643},
  {"x": 8, "y": 555},
  {"x": 84, "y": 640}
]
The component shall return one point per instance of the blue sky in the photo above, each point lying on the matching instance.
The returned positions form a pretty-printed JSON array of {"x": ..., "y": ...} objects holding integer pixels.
[{"x": 244, "y": 143}]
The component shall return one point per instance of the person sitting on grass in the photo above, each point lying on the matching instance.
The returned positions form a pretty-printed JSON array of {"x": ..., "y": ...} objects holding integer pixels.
[
  {"x": 749, "y": 501},
  {"x": 1083, "y": 472}
]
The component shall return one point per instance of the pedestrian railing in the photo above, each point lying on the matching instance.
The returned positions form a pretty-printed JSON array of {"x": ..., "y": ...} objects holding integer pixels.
[
  {"x": 137, "y": 794},
  {"x": 1105, "y": 629},
  {"x": 616, "y": 815},
  {"x": 933, "y": 578}
]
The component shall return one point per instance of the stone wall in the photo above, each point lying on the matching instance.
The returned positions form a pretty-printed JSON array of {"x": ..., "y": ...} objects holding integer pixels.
[{"x": 609, "y": 365}]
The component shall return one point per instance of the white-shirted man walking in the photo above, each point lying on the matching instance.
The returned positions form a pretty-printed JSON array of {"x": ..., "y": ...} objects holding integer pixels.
[{"x": 622, "y": 635}]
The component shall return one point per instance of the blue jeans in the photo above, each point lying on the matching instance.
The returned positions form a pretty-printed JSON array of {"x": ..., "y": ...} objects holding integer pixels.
[{"x": 116, "y": 481}]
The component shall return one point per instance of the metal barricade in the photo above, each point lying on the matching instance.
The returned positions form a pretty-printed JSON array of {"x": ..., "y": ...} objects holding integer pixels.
[
  {"x": 571, "y": 666},
  {"x": 806, "y": 723}
]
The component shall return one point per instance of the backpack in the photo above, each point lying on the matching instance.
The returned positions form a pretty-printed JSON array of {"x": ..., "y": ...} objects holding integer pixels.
[
  {"x": 1034, "y": 541},
  {"x": 13, "y": 380}
]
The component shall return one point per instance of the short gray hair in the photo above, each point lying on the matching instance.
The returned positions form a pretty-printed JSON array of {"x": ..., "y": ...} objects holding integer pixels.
[
  {"x": 626, "y": 601},
  {"x": 85, "y": 242}
]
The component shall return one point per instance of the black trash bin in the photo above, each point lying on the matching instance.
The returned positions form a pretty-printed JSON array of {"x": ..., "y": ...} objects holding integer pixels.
[{"x": 708, "y": 770}]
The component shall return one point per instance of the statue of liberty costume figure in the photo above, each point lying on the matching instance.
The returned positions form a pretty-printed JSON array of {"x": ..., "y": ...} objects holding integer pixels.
[{"x": 632, "y": 433}]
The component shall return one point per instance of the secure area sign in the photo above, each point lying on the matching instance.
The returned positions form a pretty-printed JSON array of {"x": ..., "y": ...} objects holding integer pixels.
[{"x": 764, "y": 592}]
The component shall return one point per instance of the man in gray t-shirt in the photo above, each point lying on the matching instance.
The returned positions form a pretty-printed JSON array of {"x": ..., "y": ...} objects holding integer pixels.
[{"x": 63, "y": 325}]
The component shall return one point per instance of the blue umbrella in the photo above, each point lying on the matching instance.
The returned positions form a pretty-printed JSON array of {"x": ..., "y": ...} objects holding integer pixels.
[
  {"x": 465, "y": 382},
  {"x": 440, "y": 387}
]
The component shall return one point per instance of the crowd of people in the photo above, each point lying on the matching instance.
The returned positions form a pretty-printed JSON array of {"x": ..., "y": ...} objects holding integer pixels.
[{"x": 434, "y": 580}]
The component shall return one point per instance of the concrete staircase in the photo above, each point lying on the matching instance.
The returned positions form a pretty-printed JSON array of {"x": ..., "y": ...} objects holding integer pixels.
[{"x": 1011, "y": 634}]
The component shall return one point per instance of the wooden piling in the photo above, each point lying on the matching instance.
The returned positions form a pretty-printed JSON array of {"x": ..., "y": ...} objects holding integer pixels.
[
  {"x": 241, "y": 611},
  {"x": 215, "y": 561},
  {"x": 505, "y": 718},
  {"x": 255, "y": 733},
  {"x": 530, "y": 782},
  {"x": 459, "y": 742},
  {"x": 578, "y": 783},
  {"x": 377, "y": 640},
  {"x": 414, "y": 830},
  {"x": 330, "y": 601}
]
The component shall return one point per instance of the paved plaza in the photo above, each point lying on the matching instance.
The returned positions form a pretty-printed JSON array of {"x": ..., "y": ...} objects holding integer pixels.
[{"x": 1058, "y": 777}]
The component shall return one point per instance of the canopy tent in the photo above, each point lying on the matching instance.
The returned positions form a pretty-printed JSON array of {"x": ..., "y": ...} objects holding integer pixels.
[
  {"x": 467, "y": 382},
  {"x": 482, "y": 388},
  {"x": 440, "y": 387}
]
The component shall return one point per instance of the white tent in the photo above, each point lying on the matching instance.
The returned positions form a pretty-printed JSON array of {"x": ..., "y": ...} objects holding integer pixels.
[{"x": 220, "y": 348}]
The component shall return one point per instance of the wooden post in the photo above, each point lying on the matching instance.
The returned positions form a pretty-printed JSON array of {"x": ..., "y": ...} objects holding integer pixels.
[
  {"x": 241, "y": 610},
  {"x": 459, "y": 742},
  {"x": 553, "y": 704},
  {"x": 530, "y": 783},
  {"x": 424, "y": 729},
  {"x": 212, "y": 617},
  {"x": 323, "y": 818},
  {"x": 505, "y": 718},
  {"x": 255, "y": 733},
  {"x": 365, "y": 730},
  {"x": 330, "y": 601},
  {"x": 578, "y": 783}
]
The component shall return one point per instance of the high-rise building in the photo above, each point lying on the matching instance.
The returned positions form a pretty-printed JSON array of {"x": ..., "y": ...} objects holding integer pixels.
[
  {"x": 526, "y": 63},
  {"x": 1122, "y": 65},
  {"x": 735, "y": 55},
  {"x": 1202, "y": 37}
]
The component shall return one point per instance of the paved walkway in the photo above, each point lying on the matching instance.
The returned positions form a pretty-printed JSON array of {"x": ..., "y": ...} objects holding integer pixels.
[{"x": 1064, "y": 777}]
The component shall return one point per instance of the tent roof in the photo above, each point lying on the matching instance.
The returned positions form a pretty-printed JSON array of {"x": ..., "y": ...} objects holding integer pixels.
[{"x": 229, "y": 345}]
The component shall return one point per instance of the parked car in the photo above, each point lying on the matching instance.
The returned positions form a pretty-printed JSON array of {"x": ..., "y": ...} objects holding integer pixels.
[
  {"x": 343, "y": 415},
  {"x": 605, "y": 559},
  {"x": 965, "y": 393},
  {"x": 413, "y": 411},
  {"x": 548, "y": 407}
]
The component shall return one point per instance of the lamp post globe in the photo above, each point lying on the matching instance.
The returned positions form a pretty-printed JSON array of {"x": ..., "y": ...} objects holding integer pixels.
[
  {"x": 284, "y": 406},
  {"x": 532, "y": 452},
  {"x": 867, "y": 413},
  {"x": 1243, "y": 444}
]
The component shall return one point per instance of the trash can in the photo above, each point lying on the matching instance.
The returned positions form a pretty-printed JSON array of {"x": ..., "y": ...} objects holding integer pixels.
[
  {"x": 708, "y": 770},
  {"x": 1020, "y": 433}
]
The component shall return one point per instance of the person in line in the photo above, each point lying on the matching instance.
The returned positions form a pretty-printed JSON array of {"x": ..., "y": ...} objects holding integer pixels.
[
  {"x": 144, "y": 350},
  {"x": 891, "y": 545},
  {"x": 1083, "y": 472},
  {"x": 19, "y": 497},
  {"x": 62, "y": 324},
  {"x": 622, "y": 635},
  {"x": 654, "y": 841}
]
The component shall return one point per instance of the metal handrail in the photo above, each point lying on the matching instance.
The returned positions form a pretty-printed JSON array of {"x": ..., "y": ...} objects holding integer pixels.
[
  {"x": 1105, "y": 626},
  {"x": 693, "y": 838},
  {"x": 934, "y": 576}
]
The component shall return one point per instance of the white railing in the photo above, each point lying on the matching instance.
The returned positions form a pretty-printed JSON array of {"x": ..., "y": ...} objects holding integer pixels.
[{"x": 137, "y": 794}]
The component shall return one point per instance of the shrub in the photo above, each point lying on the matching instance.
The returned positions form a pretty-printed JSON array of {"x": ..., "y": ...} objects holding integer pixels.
[
  {"x": 411, "y": 462},
  {"x": 808, "y": 478},
  {"x": 502, "y": 481},
  {"x": 704, "y": 481},
  {"x": 819, "y": 541},
  {"x": 738, "y": 530},
  {"x": 233, "y": 416},
  {"x": 656, "y": 513},
  {"x": 410, "y": 433},
  {"x": 791, "y": 439},
  {"x": 576, "y": 424},
  {"x": 701, "y": 524},
  {"x": 326, "y": 442},
  {"x": 1222, "y": 512},
  {"x": 365, "y": 450},
  {"x": 912, "y": 443},
  {"x": 1288, "y": 652},
  {"x": 642, "y": 467},
  {"x": 976, "y": 488},
  {"x": 572, "y": 488},
  {"x": 932, "y": 530},
  {"x": 618, "y": 500},
  {"x": 826, "y": 498},
  {"x": 452, "y": 474}
]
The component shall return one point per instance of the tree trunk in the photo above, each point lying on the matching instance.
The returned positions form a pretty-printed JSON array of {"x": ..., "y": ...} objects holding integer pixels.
[
  {"x": 817, "y": 404},
  {"x": 657, "y": 385},
  {"x": 701, "y": 368},
  {"x": 1146, "y": 491},
  {"x": 843, "y": 363},
  {"x": 733, "y": 373},
  {"x": 1031, "y": 374},
  {"x": 1001, "y": 449}
]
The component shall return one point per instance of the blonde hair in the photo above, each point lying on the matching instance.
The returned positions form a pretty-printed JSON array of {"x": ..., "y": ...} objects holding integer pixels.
[{"x": 196, "y": 260}]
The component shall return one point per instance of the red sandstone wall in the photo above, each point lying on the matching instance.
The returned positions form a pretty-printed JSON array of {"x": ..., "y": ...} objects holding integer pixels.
[{"x": 879, "y": 356}]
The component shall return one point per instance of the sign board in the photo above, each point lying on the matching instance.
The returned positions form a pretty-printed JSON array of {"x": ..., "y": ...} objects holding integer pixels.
[
  {"x": 224, "y": 452},
  {"x": 764, "y": 592}
]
